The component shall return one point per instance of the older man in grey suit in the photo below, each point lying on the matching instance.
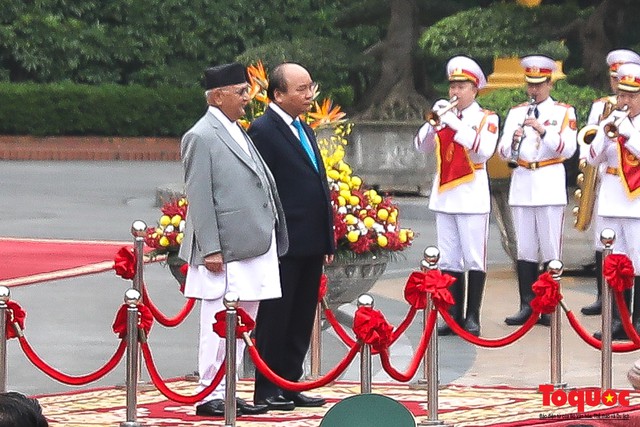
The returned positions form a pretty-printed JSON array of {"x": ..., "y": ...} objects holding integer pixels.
[{"x": 235, "y": 227}]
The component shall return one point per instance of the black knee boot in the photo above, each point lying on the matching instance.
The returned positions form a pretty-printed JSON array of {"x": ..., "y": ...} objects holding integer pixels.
[
  {"x": 595, "y": 308},
  {"x": 475, "y": 290},
  {"x": 457, "y": 291},
  {"x": 527, "y": 274},
  {"x": 617, "y": 330},
  {"x": 635, "y": 316}
]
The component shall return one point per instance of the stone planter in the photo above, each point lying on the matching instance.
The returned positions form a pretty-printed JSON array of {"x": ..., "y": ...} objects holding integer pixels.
[{"x": 348, "y": 279}]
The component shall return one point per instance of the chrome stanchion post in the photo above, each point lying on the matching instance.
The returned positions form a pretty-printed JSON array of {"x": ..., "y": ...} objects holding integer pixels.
[
  {"x": 132, "y": 299},
  {"x": 607, "y": 237},
  {"x": 139, "y": 231},
  {"x": 231, "y": 302},
  {"x": 555, "y": 268},
  {"x": 315, "y": 350},
  {"x": 5, "y": 294},
  {"x": 365, "y": 300},
  {"x": 430, "y": 262}
]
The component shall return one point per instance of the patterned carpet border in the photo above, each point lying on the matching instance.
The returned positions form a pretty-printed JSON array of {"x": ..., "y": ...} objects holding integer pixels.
[{"x": 464, "y": 406}]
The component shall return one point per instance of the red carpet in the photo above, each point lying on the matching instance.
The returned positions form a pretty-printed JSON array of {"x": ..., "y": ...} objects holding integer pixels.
[
  {"x": 460, "y": 405},
  {"x": 26, "y": 261}
]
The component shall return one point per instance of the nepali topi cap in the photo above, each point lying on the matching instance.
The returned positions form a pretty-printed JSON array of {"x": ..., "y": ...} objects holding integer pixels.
[{"x": 224, "y": 75}]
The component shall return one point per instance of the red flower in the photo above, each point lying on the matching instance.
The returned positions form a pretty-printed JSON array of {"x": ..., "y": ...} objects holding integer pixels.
[
  {"x": 618, "y": 271},
  {"x": 432, "y": 282},
  {"x": 125, "y": 263},
  {"x": 245, "y": 323},
  {"x": 14, "y": 314},
  {"x": 547, "y": 292},
  {"x": 372, "y": 328}
]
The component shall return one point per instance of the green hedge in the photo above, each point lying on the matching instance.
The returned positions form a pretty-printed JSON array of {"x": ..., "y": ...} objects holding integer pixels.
[{"x": 72, "y": 109}]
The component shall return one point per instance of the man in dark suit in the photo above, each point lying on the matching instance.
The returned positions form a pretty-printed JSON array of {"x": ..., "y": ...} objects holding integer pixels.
[{"x": 289, "y": 147}]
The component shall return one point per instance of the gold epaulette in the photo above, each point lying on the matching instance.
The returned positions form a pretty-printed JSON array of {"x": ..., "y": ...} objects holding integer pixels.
[{"x": 565, "y": 105}]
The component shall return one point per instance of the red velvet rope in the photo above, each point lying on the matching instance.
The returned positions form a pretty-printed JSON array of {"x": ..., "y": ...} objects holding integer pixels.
[
  {"x": 303, "y": 386},
  {"x": 402, "y": 327},
  {"x": 15, "y": 315},
  {"x": 586, "y": 336},
  {"x": 67, "y": 379},
  {"x": 322, "y": 290},
  {"x": 169, "y": 322},
  {"x": 342, "y": 334},
  {"x": 625, "y": 318},
  {"x": 172, "y": 395},
  {"x": 490, "y": 342},
  {"x": 417, "y": 357}
]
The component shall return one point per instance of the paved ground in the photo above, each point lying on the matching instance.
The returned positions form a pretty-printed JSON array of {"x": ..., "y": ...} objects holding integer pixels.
[{"x": 69, "y": 320}]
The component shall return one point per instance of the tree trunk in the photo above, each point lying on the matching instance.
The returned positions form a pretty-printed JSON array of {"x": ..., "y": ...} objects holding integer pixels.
[
  {"x": 599, "y": 35},
  {"x": 394, "y": 96}
]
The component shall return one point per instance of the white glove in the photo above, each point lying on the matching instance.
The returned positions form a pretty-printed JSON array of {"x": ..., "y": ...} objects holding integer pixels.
[
  {"x": 439, "y": 104},
  {"x": 626, "y": 128},
  {"x": 451, "y": 119}
]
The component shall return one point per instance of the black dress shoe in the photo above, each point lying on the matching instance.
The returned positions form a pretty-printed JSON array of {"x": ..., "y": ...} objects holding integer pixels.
[
  {"x": 276, "y": 403},
  {"x": 244, "y": 408},
  {"x": 520, "y": 317},
  {"x": 212, "y": 408},
  {"x": 305, "y": 401},
  {"x": 593, "y": 309}
]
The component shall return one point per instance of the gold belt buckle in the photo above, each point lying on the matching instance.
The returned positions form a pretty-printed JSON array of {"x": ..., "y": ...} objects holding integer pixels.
[{"x": 533, "y": 166}]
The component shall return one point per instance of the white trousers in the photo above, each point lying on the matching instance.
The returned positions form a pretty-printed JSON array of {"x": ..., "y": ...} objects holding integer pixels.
[
  {"x": 462, "y": 240},
  {"x": 539, "y": 232},
  {"x": 212, "y": 348},
  {"x": 627, "y": 237}
]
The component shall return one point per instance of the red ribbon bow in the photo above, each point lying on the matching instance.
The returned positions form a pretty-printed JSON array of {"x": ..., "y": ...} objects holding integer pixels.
[
  {"x": 125, "y": 263},
  {"x": 372, "y": 328},
  {"x": 432, "y": 282},
  {"x": 145, "y": 320},
  {"x": 618, "y": 271},
  {"x": 245, "y": 323},
  {"x": 547, "y": 292},
  {"x": 14, "y": 314},
  {"x": 322, "y": 290}
]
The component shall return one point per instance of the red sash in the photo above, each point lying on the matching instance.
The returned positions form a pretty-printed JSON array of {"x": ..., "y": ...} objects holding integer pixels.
[
  {"x": 454, "y": 165},
  {"x": 629, "y": 169}
]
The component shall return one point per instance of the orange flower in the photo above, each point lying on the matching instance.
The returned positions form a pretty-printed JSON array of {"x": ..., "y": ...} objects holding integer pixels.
[
  {"x": 259, "y": 81},
  {"x": 325, "y": 113}
]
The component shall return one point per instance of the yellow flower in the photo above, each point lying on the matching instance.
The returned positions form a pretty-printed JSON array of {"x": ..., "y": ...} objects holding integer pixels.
[
  {"x": 353, "y": 236},
  {"x": 382, "y": 241}
]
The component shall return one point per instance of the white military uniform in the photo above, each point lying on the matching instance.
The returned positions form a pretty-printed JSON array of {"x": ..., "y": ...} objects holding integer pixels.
[
  {"x": 252, "y": 279},
  {"x": 462, "y": 212},
  {"x": 619, "y": 209},
  {"x": 537, "y": 193}
]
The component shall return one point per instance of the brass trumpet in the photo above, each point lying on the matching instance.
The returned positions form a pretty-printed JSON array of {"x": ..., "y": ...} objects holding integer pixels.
[
  {"x": 611, "y": 129},
  {"x": 433, "y": 116}
]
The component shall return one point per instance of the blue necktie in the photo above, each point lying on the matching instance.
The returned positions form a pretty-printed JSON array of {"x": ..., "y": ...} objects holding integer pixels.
[{"x": 304, "y": 141}]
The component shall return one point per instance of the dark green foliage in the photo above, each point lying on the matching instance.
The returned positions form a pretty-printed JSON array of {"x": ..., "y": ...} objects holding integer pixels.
[
  {"x": 72, "y": 109},
  {"x": 581, "y": 98},
  {"x": 501, "y": 30}
]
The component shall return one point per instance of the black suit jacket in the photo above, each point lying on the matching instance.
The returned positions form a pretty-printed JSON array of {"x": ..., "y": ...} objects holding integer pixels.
[{"x": 303, "y": 191}]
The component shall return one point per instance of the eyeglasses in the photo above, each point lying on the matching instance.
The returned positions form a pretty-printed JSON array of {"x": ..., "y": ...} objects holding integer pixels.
[
  {"x": 240, "y": 91},
  {"x": 312, "y": 87}
]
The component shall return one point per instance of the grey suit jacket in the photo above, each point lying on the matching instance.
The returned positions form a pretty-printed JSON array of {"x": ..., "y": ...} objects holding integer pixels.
[{"x": 233, "y": 201}]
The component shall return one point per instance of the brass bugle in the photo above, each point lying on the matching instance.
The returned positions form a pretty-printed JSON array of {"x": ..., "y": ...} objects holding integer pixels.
[
  {"x": 611, "y": 129},
  {"x": 433, "y": 116},
  {"x": 587, "y": 134}
]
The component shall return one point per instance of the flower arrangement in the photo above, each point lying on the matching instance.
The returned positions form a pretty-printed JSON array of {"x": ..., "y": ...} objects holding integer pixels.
[
  {"x": 364, "y": 221},
  {"x": 168, "y": 235}
]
